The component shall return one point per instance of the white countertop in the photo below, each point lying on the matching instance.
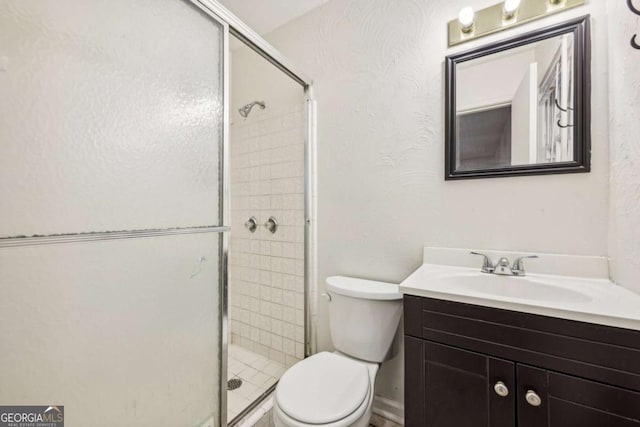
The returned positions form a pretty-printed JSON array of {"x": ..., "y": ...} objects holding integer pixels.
[{"x": 604, "y": 303}]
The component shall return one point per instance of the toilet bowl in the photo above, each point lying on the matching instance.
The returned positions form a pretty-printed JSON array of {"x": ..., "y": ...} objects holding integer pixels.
[
  {"x": 336, "y": 389},
  {"x": 328, "y": 389}
]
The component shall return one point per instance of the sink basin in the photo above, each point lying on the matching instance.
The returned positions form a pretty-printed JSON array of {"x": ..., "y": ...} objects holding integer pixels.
[
  {"x": 593, "y": 299},
  {"x": 526, "y": 288}
]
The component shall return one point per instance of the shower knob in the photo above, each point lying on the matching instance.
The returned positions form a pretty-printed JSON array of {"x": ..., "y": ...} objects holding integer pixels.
[
  {"x": 271, "y": 224},
  {"x": 251, "y": 224}
]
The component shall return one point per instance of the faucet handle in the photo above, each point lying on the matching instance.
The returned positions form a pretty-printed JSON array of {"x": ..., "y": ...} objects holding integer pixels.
[
  {"x": 487, "y": 264},
  {"x": 518, "y": 265}
]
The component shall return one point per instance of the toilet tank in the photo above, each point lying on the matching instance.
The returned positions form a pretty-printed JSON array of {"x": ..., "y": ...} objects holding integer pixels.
[{"x": 363, "y": 316}]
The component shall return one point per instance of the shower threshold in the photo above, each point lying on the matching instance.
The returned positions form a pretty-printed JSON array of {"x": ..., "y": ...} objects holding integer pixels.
[{"x": 258, "y": 376}]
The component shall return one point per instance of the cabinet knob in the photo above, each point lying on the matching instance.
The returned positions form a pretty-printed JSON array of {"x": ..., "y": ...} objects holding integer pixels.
[
  {"x": 532, "y": 398},
  {"x": 501, "y": 389}
]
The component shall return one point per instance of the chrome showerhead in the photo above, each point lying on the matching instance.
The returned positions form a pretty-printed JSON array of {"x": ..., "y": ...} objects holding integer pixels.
[{"x": 244, "y": 111}]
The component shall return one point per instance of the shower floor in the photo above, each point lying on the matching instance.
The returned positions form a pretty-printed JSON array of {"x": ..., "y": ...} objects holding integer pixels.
[{"x": 257, "y": 374}]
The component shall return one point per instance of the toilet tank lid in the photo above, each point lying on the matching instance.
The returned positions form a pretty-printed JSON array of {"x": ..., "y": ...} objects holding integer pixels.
[{"x": 362, "y": 288}]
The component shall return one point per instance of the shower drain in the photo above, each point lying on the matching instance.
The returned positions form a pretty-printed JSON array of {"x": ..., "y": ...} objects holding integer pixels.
[{"x": 234, "y": 383}]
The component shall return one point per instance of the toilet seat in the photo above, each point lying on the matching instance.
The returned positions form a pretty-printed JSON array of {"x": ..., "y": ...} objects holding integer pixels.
[{"x": 326, "y": 388}]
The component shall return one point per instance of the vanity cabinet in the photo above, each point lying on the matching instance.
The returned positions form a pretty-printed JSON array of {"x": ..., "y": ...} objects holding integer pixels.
[{"x": 474, "y": 366}]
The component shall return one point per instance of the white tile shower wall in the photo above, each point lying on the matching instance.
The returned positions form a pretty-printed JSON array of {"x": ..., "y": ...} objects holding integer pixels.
[{"x": 266, "y": 271}]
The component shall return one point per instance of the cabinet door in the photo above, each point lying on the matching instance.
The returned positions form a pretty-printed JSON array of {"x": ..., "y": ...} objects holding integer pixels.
[
  {"x": 460, "y": 388},
  {"x": 566, "y": 401}
]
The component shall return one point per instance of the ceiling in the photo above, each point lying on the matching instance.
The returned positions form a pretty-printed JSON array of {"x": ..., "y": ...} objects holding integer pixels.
[{"x": 264, "y": 16}]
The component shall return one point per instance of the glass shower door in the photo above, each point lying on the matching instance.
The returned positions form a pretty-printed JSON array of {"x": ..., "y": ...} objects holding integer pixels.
[
  {"x": 120, "y": 332},
  {"x": 111, "y": 219}
]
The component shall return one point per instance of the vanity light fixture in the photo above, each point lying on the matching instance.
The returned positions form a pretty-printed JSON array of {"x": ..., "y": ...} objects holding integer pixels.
[
  {"x": 466, "y": 19},
  {"x": 510, "y": 9},
  {"x": 507, "y": 14}
]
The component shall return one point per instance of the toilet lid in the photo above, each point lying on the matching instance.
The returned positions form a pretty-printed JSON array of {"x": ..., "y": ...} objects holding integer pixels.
[{"x": 323, "y": 388}]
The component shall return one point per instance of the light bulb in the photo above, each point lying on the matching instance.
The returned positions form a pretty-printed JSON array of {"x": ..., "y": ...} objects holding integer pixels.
[
  {"x": 465, "y": 17},
  {"x": 510, "y": 8}
]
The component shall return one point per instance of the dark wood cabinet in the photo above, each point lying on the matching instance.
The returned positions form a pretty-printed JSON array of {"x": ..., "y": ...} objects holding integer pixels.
[
  {"x": 568, "y": 401},
  {"x": 456, "y": 379},
  {"x": 475, "y": 366}
]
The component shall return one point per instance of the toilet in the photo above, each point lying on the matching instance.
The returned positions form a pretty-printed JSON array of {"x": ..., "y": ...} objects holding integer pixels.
[{"x": 336, "y": 389}]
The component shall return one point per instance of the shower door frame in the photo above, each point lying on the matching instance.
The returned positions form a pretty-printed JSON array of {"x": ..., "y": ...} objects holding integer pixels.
[{"x": 232, "y": 25}]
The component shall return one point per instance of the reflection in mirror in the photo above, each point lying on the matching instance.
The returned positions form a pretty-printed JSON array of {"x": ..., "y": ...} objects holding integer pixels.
[{"x": 514, "y": 107}]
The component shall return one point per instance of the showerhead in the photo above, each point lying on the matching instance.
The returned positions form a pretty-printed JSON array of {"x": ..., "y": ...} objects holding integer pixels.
[{"x": 244, "y": 111}]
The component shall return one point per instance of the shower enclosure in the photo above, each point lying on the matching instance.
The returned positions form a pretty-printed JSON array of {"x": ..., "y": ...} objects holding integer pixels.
[
  {"x": 115, "y": 213},
  {"x": 267, "y": 250}
]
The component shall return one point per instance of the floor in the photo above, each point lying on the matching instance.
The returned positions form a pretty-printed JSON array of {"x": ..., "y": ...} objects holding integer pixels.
[{"x": 257, "y": 374}]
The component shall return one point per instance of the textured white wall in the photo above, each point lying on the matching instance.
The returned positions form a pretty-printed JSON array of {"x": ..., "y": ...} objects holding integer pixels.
[
  {"x": 378, "y": 70},
  {"x": 624, "y": 128}
]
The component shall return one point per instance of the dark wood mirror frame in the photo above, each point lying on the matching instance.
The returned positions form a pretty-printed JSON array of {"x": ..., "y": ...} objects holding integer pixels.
[{"x": 582, "y": 102}]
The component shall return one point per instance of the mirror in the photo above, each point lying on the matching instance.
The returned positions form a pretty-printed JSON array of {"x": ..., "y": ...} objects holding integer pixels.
[{"x": 520, "y": 106}]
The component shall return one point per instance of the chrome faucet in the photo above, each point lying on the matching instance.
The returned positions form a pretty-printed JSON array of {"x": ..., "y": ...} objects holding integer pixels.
[
  {"x": 487, "y": 265},
  {"x": 502, "y": 266},
  {"x": 518, "y": 265}
]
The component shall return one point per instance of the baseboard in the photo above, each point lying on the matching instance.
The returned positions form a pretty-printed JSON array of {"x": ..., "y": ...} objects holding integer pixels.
[{"x": 389, "y": 410}]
